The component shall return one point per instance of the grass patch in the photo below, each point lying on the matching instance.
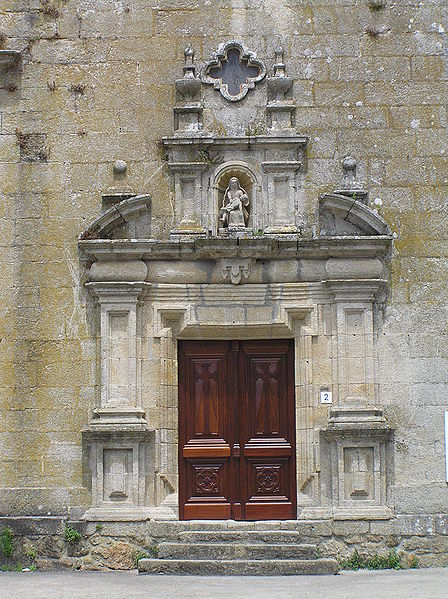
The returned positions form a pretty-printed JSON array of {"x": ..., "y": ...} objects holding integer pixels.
[
  {"x": 391, "y": 561},
  {"x": 6, "y": 544}
]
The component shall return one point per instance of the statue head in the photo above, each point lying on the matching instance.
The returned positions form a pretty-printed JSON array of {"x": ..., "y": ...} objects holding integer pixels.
[{"x": 234, "y": 183}]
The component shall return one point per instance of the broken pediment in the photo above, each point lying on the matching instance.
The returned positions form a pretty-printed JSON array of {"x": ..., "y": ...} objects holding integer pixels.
[
  {"x": 129, "y": 219},
  {"x": 340, "y": 215}
]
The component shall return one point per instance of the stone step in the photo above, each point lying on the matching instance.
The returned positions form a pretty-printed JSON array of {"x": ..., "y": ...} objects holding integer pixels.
[
  {"x": 229, "y": 551},
  {"x": 281, "y": 537},
  {"x": 264, "y": 567}
]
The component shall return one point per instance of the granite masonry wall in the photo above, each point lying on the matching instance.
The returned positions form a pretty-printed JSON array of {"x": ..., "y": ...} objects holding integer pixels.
[{"x": 94, "y": 83}]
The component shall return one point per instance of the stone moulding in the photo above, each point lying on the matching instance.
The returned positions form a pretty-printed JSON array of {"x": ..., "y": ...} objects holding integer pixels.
[
  {"x": 9, "y": 58},
  {"x": 140, "y": 281},
  {"x": 118, "y": 461},
  {"x": 116, "y": 216},
  {"x": 274, "y": 163},
  {"x": 358, "y": 459},
  {"x": 243, "y": 141},
  {"x": 220, "y": 57},
  {"x": 235, "y": 269}
]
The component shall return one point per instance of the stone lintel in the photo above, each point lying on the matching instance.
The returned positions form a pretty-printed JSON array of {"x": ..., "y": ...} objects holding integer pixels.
[
  {"x": 120, "y": 418},
  {"x": 280, "y": 107}
]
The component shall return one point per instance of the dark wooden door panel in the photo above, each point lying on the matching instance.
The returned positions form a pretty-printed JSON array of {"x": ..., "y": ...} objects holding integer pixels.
[
  {"x": 236, "y": 430},
  {"x": 268, "y": 435},
  {"x": 207, "y": 490},
  {"x": 204, "y": 447}
]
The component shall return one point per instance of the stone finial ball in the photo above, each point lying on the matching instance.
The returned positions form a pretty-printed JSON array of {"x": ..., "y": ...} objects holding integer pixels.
[
  {"x": 349, "y": 163},
  {"x": 120, "y": 167}
]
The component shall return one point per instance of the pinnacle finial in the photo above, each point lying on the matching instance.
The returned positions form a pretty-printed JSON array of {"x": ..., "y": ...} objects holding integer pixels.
[
  {"x": 189, "y": 55},
  {"x": 189, "y": 68},
  {"x": 279, "y": 66}
]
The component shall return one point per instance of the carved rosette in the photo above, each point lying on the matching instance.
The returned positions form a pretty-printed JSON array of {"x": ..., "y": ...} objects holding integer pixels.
[
  {"x": 268, "y": 480},
  {"x": 206, "y": 481}
]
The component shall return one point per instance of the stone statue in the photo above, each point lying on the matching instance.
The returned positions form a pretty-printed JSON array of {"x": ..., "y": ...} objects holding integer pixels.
[{"x": 233, "y": 213}]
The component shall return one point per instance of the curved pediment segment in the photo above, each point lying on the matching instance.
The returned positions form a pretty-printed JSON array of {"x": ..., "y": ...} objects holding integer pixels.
[
  {"x": 129, "y": 219},
  {"x": 340, "y": 215}
]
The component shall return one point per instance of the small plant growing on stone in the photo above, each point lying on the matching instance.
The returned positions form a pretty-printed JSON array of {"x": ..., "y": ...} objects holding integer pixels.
[
  {"x": 254, "y": 129},
  {"x": 152, "y": 552},
  {"x": 391, "y": 561},
  {"x": 31, "y": 552},
  {"x": 71, "y": 535},
  {"x": 78, "y": 88},
  {"x": 138, "y": 555},
  {"x": 6, "y": 544},
  {"x": 376, "y": 4},
  {"x": 98, "y": 527},
  {"x": 22, "y": 138},
  {"x": 49, "y": 9},
  {"x": 372, "y": 31},
  {"x": 413, "y": 562}
]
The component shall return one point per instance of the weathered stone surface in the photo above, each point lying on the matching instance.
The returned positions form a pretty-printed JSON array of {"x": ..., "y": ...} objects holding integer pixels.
[
  {"x": 50, "y": 546},
  {"x": 116, "y": 556},
  {"x": 259, "y": 567}
]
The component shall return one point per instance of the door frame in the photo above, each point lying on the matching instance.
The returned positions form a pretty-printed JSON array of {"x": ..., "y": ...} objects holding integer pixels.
[
  {"x": 175, "y": 320},
  {"x": 236, "y": 355}
]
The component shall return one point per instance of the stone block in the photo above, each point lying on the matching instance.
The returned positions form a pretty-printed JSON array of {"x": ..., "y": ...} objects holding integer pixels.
[
  {"x": 442, "y": 524},
  {"x": 347, "y": 528},
  {"x": 415, "y": 525}
]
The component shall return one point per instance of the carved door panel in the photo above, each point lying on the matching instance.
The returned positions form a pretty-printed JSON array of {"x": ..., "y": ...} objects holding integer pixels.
[
  {"x": 236, "y": 430},
  {"x": 266, "y": 376},
  {"x": 204, "y": 432}
]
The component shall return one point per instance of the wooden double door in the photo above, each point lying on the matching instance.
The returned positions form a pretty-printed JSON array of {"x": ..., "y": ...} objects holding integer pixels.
[{"x": 237, "y": 430}]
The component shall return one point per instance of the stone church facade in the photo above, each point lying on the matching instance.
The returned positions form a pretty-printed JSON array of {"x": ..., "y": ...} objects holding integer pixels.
[{"x": 224, "y": 268}]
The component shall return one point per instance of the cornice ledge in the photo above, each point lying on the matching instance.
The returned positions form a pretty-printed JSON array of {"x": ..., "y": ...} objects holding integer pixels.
[
  {"x": 243, "y": 140},
  {"x": 214, "y": 248},
  {"x": 354, "y": 290}
]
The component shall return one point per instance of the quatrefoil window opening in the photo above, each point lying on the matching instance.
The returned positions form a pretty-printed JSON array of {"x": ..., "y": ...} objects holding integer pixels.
[{"x": 234, "y": 71}]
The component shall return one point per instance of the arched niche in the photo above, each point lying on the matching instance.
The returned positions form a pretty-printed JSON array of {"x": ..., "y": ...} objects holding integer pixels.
[{"x": 248, "y": 181}]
